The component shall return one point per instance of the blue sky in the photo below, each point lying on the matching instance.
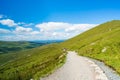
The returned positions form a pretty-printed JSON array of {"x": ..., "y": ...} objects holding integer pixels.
[{"x": 53, "y": 19}]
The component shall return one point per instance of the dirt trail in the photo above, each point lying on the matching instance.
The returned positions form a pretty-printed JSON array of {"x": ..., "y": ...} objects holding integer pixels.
[{"x": 77, "y": 68}]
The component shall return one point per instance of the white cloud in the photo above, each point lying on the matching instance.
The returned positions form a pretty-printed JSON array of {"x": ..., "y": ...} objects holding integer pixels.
[
  {"x": 60, "y": 35},
  {"x": 80, "y": 27},
  {"x": 8, "y": 22},
  {"x": 25, "y": 24},
  {"x": 22, "y": 37},
  {"x": 4, "y": 31},
  {"x": 62, "y": 30},
  {"x": 49, "y": 30},
  {"x": 35, "y": 32},
  {"x": 25, "y": 31},
  {"x": 22, "y": 30},
  {"x": 50, "y": 26}
]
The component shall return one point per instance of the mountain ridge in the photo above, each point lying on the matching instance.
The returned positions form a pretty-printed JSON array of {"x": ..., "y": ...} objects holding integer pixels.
[{"x": 101, "y": 42}]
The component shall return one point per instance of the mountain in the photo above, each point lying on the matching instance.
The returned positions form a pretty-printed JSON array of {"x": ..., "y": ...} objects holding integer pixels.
[{"x": 101, "y": 42}]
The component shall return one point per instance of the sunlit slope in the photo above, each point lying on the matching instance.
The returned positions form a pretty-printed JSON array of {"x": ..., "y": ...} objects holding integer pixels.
[
  {"x": 101, "y": 42},
  {"x": 31, "y": 64}
]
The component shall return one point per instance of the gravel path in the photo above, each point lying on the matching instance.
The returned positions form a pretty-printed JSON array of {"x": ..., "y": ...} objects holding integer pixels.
[
  {"x": 110, "y": 73},
  {"x": 77, "y": 68}
]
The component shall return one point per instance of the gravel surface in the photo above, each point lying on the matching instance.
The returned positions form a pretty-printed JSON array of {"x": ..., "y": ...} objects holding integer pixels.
[
  {"x": 110, "y": 73},
  {"x": 77, "y": 68}
]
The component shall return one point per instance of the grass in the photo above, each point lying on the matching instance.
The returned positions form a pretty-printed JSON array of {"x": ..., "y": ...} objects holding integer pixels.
[
  {"x": 101, "y": 43},
  {"x": 13, "y": 46},
  {"x": 33, "y": 63}
]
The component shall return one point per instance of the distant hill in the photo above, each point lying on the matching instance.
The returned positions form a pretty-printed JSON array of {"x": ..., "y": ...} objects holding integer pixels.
[
  {"x": 13, "y": 46},
  {"x": 101, "y": 42},
  {"x": 31, "y": 63},
  {"x": 10, "y": 46}
]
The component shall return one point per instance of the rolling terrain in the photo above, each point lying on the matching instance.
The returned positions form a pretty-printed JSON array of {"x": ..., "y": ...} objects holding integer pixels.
[
  {"x": 23, "y": 60},
  {"x": 13, "y": 46},
  {"x": 32, "y": 63},
  {"x": 101, "y": 43}
]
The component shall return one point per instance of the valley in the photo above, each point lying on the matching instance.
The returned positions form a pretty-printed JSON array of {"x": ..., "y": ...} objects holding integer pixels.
[{"x": 101, "y": 43}]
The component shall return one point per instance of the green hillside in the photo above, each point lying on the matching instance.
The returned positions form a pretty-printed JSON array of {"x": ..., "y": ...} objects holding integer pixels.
[
  {"x": 32, "y": 63},
  {"x": 101, "y": 42},
  {"x": 13, "y": 46}
]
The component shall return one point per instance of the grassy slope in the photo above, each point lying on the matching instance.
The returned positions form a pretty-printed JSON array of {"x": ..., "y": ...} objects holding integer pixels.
[
  {"x": 37, "y": 62},
  {"x": 33, "y": 63},
  {"x": 101, "y": 42}
]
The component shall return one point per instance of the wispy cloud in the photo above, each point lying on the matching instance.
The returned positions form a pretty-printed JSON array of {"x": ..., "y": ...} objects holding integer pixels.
[
  {"x": 63, "y": 30},
  {"x": 22, "y": 30},
  {"x": 79, "y": 27},
  {"x": 12, "y": 23},
  {"x": 52, "y": 26},
  {"x": 48, "y": 30},
  {"x": 8, "y": 22},
  {"x": 4, "y": 31},
  {"x": 25, "y": 31}
]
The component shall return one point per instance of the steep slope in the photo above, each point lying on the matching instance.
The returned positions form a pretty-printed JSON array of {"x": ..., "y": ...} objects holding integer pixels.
[
  {"x": 31, "y": 64},
  {"x": 101, "y": 42}
]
